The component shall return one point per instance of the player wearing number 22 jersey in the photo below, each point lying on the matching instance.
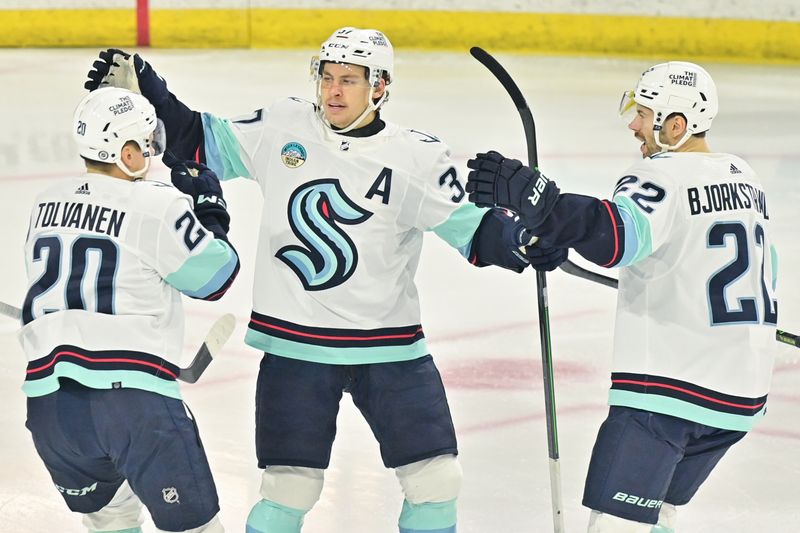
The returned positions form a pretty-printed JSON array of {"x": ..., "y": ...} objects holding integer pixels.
[
  {"x": 688, "y": 229},
  {"x": 697, "y": 309}
]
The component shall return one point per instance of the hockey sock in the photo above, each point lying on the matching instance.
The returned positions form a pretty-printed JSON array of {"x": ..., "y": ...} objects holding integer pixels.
[
  {"x": 270, "y": 517},
  {"x": 439, "y": 517},
  {"x": 662, "y": 529}
]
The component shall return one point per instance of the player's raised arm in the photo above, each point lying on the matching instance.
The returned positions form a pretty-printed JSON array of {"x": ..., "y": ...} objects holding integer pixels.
[{"x": 116, "y": 68}]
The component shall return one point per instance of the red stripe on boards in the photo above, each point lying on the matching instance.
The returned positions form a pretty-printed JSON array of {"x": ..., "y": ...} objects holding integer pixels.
[{"x": 142, "y": 22}]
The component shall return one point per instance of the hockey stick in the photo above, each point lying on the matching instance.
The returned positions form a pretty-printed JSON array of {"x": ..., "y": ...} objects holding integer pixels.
[
  {"x": 571, "y": 268},
  {"x": 541, "y": 291},
  {"x": 788, "y": 338},
  {"x": 781, "y": 336},
  {"x": 10, "y": 311},
  {"x": 215, "y": 339}
]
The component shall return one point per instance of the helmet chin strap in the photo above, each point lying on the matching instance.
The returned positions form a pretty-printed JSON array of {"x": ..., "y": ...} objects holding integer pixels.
[
  {"x": 138, "y": 174},
  {"x": 371, "y": 106},
  {"x": 670, "y": 147}
]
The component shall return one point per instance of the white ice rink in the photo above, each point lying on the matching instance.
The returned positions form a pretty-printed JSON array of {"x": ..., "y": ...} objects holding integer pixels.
[{"x": 481, "y": 323}]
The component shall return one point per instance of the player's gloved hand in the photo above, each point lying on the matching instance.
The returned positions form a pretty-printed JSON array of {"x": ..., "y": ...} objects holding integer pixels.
[
  {"x": 202, "y": 184},
  {"x": 116, "y": 68},
  {"x": 497, "y": 181},
  {"x": 545, "y": 259}
]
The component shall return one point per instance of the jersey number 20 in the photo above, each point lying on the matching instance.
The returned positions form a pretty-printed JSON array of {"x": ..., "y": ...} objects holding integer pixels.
[{"x": 77, "y": 284}]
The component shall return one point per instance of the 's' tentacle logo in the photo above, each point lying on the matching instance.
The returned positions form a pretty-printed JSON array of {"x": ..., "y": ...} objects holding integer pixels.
[{"x": 329, "y": 257}]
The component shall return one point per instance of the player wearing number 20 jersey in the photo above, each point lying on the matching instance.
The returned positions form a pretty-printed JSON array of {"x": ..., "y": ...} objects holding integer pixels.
[{"x": 107, "y": 260}]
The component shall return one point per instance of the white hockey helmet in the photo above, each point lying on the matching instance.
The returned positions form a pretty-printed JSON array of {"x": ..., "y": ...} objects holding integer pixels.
[
  {"x": 365, "y": 47},
  {"x": 675, "y": 87},
  {"x": 109, "y": 117}
]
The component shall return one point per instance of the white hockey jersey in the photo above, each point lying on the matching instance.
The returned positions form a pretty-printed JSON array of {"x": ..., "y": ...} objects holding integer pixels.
[
  {"x": 696, "y": 315},
  {"x": 341, "y": 230},
  {"x": 106, "y": 259}
]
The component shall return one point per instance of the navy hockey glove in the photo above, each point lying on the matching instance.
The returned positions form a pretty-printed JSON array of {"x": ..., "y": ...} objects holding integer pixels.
[
  {"x": 545, "y": 259},
  {"x": 202, "y": 184},
  {"x": 500, "y": 240},
  {"x": 116, "y": 68},
  {"x": 497, "y": 181}
]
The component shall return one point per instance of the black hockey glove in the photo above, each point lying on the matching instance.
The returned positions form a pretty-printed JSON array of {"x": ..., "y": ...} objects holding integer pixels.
[
  {"x": 545, "y": 259},
  {"x": 116, "y": 68},
  {"x": 497, "y": 181},
  {"x": 202, "y": 184},
  {"x": 500, "y": 240}
]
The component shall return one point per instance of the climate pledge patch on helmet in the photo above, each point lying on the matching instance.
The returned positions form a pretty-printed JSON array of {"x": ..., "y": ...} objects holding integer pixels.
[{"x": 293, "y": 155}]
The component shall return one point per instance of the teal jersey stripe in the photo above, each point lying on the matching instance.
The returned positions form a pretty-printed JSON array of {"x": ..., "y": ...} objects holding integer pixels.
[
  {"x": 334, "y": 355},
  {"x": 223, "y": 151},
  {"x": 205, "y": 273},
  {"x": 638, "y": 236},
  {"x": 101, "y": 379},
  {"x": 438, "y": 517},
  {"x": 459, "y": 228},
  {"x": 684, "y": 410},
  {"x": 773, "y": 252}
]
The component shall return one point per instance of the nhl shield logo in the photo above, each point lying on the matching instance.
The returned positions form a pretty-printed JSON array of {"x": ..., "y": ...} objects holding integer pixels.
[
  {"x": 293, "y": 154},
  {"x": 170, "y": 495}
]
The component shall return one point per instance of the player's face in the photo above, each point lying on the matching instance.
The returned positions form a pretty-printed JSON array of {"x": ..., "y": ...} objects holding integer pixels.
[
  {"x": 642, "y": 127},
  {"x": 345, "y": 93}
]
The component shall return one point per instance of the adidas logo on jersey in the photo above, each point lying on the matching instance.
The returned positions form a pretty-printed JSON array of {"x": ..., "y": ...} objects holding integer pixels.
[
  {"x": 735, "y": 170},
  {"x": 83, "y": 189}
]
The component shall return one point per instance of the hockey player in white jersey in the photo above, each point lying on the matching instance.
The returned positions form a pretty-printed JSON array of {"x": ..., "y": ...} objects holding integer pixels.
[
  {"x": 689, "y": 231},
  {"x": 347, "y": 198},
  {"x": 108, "y": 255}
]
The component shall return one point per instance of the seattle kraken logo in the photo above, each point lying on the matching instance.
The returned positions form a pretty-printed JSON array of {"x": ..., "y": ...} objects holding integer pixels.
[{"x": 329, "y": 257}]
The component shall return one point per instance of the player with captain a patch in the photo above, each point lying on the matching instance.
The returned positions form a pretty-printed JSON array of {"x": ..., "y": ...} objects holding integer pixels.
[
  {"x": 347, "y": 199},
  {"x": 696, "y": 315}
]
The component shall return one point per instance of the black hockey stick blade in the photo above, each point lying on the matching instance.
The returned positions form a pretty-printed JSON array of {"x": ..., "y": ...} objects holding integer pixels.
[
  {"x": 571, "y": 268},
  {"x": 525, "y": 114},
  {"x": 501, "y": 74},
  {"x": 216, "y": 338},
  {"x": 508, "y": 83},
  {"x": 787, "y": 338},
  {"x": 10, "y": 311}
]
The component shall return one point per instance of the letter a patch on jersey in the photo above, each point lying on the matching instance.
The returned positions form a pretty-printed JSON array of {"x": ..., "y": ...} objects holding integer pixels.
[{"x": 329, "y": 257}]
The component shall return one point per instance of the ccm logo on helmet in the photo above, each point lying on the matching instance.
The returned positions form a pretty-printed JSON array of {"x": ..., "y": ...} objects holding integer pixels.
[{"x": 125, "y": 104}]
